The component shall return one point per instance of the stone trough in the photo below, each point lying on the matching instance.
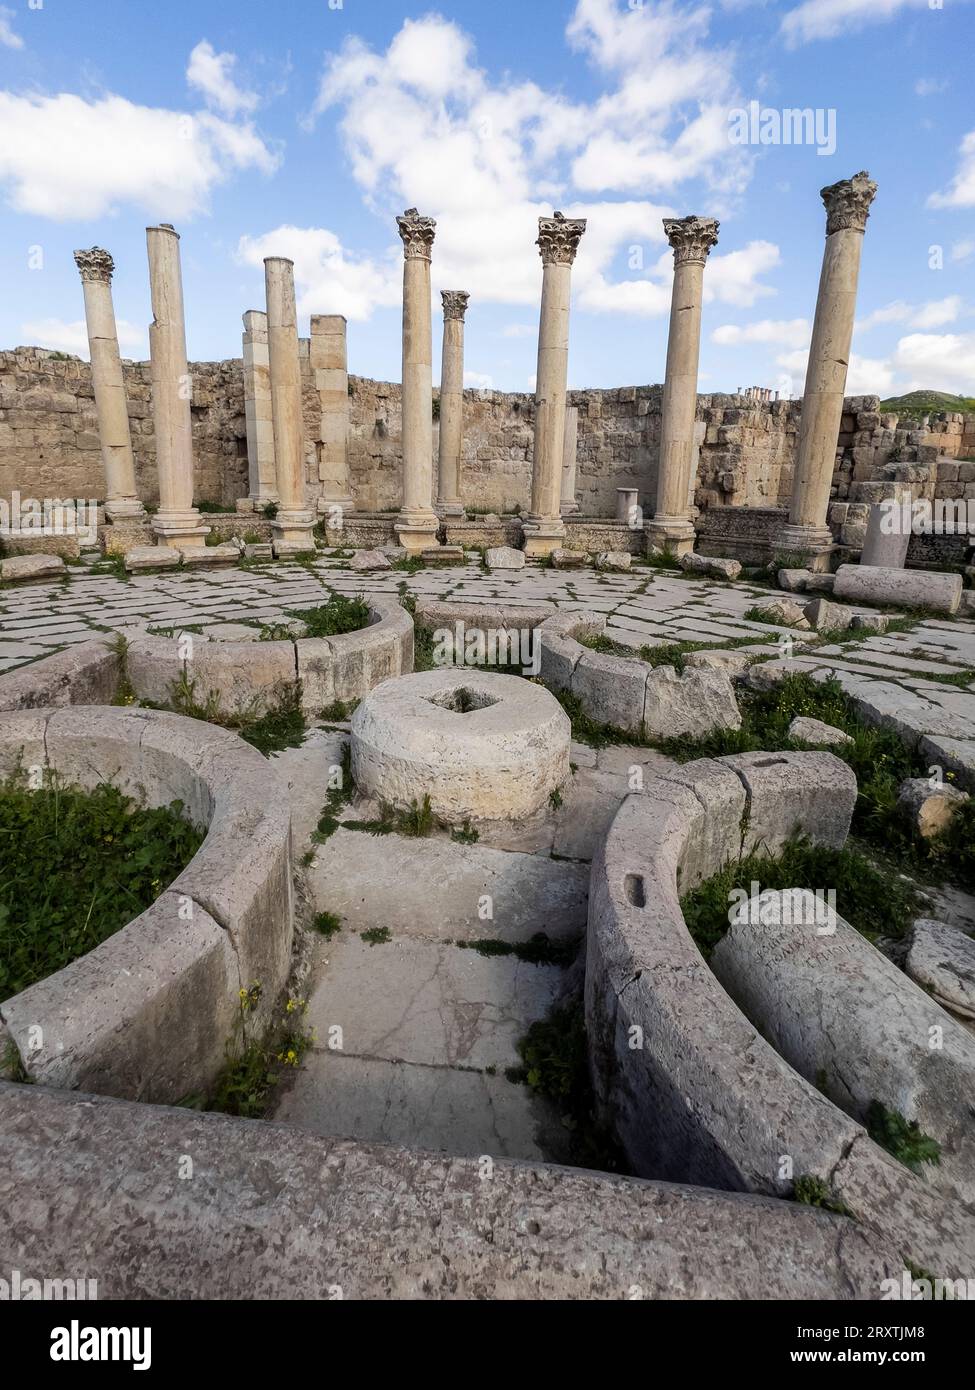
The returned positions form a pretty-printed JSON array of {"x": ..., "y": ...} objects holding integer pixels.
[
  {"x": 148, "y": 1013},
  {"x": 694, "y": 1092}
]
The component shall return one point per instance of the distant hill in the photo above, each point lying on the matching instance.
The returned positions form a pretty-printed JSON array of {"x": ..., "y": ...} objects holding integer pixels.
[{"x": 926, "y": 403}]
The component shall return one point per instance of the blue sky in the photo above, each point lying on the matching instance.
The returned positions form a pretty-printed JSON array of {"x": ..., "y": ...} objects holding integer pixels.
[{"x": 302, "y": 127}]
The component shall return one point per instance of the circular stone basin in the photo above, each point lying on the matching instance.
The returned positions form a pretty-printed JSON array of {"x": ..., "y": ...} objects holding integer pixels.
[{"x": 483, "y": 747}]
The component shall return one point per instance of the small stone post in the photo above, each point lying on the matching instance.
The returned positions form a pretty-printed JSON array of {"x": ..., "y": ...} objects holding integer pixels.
[
  {"x": 558, "y": 241},
  {"x": 121, "y": 500},
  {"x": 570, "y": 445},
  {"x": 417, "y": 523},
  {"x": 292, "y": 528},
  {"x": 692, "y": 239},
  {"x": 807, "y": 535},
  {"x": 889, "y": 529},
  {"x": 262, "y": 484},
  {"x": 177, "y": 522},
  {"x": 328, "y": 359},
  {"x": 451, "y": 402}
]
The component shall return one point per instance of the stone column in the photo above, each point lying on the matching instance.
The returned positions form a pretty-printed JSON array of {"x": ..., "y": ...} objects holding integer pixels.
[
  {"x": 417, "y": 523},
  {"x": 262, "y": 484},
  {"x": 121, "y": 500},
  {"x": 889, "y": 529},
  {"x": 177, "y": 522},
  {"x": 558, "y": 241},
  {"x": 807, "y": 535},
  {"x": 292, "y": 528},
  {"x": 451, "y": 402},
  {"x": 570, "y": 444},
  {"x": 692, "y": 239},
  {"x": 328, "y": 359}
]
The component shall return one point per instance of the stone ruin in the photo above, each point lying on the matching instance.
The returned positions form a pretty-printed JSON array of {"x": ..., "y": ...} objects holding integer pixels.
[{"x": 502, "y": 782}]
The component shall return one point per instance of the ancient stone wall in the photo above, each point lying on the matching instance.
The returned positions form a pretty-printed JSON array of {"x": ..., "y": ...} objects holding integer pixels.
[{"x": 49, "y": 441}]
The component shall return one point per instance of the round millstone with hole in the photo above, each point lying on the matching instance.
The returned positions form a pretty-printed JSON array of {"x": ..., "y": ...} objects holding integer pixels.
[{"x": 481, "y": 746}]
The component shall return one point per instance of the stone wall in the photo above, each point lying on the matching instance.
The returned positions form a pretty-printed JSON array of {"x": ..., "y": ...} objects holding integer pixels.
[{"x": 49, "y": 441}]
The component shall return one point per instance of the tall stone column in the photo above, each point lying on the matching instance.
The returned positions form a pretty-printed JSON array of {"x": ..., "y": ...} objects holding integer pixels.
[
  {"x": 569, "y": 447},
  {"x": 847, "y": 209},
  {"x": 292, "y": 528},
  {"x": 262, "y": 484},
  {"x": 177, "y": 522},
  {"x": 417, "y": 523},
  {"x": 692, "y": 239},
  {"x": 451, "y": 403},
  {"x": 558, "y": 241},
  {"x": 328, "y": 359},
  {"x": 121, "y": 499}
]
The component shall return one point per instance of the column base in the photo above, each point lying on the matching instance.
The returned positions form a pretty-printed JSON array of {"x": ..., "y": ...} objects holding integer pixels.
[
  {"x": 180, "y": 530},
  {"x": 292, "y": 532},
  {"x": 417, "y": 531},
  {"x": 326, "y": 505},
  {"x": 543, "y": 534},
  {"x": 810, "y": 546},
  {"x": 125, "y": 509},
  {"x": 674, "y": 534},
  {"x": 569, "y": 508}
]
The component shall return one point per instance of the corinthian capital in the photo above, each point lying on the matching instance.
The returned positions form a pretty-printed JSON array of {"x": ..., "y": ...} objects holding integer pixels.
[
  {"x": 454, "y": 303},
  {"x": 848, "y": 203},
  {"x": 691, "y": 237},
  {"x": 95, "y": 264},
  {"x": 417, "y": 233},
  {"x": 559, "y": 237}
]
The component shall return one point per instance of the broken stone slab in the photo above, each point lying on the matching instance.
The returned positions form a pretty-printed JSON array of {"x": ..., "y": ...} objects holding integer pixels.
[
  {"x": 712, "y": 565},
  {"x": 504, "y": 557},
  {"x": 232, "y": 632},
  {"x": 815, "y": 732},
  {"x": 151, "y": 557},
  {"x": 568, "y": 559},
  {"x": 197, "y": 556},
  {"x": 364, "y": 561},
  {"x": 733, "y": 663},
  {"x": 967, "y": 604},
  {"x": 612, "y": 689},
  {"x": 956, "y": 755},
  {"x": 689, "y": 705},
  {"x": 794, "y": 581},
  {"x": 825, "y": 616},
  {"x": 791, "y": 793},
  {"x": 258, "y": 550},
  {"x": 616, "y": 560},
  {"x": 19, "y": 569},
  {"x": 785, "y": 612},
  {"x": 942, "y": 958},
  {"x": 929, "y": 809},
  {"x": 871, "y": 622},
  {"x": 820, "y": 583},
  {"x": 443, "y": 555},
  {"x": 850, "y": 1022},
  {"x": 899, "y": 588}
]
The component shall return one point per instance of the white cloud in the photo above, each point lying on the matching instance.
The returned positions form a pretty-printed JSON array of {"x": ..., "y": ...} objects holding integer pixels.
[
  {"x": 733, "y": 278},
  {"x": 519, "y": 330},
  {"x": 212, "y": 74},
  {"x": 58, "y": 335},
  {"x": 930, "y": 86},
  {"x": 826, "y": 19},
  {"x": 936, "y": 361},
  {"x": 424, "y": 126},
  {"x": 65, "y": 157},
  {"x": 481, "y": 381},
  {"x": 934, "y": 314},
  {"x": 328, "y": 278},
  {"x": 961, "y": 193},
  {"x": 963, "y": 250},
  {"x": 8, "y": 39},
  {"x": 865, "y": 376},
  {"x": 793, "y": 333}
]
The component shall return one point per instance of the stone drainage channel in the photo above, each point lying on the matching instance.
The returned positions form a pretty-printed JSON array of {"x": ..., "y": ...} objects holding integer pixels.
[{"x": 413, "y": 1035}]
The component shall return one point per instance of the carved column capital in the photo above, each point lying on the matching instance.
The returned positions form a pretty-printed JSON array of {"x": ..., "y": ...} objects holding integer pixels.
[
  {"x": 558, "y": 238},
  {"x": 454, "y": 303},
  {"x": 417, "y": 233},
  {"x": 691, "y": 237},
  {"x": 848, "y": 203},
  {"x": 95, "y": 264}
]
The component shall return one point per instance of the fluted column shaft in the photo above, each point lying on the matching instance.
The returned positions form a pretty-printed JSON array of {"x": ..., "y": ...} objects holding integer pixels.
[
  {"x": 568, "y": 503},
  {"x": 451, "y": 403},
  {"x": 328, "y": 358},
  {"x": 293, "y": 525},
  {"x": 417, "y": 523},
  {"x": 259, "y": 418}
]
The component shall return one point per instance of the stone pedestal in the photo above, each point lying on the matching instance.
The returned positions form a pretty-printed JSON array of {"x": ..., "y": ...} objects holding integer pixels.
[
  {"x": 122, "y": 502},
  {"x": 558, "y": 241},
  {"x": 451, "y": 403},
  {"x": 889, "y": 530},
  {"x": 569, "y": 505},
  {"x": 262, "y": 483},
  {"x": 807, "y": 536},
  {"x": 292, "y": 528},
  {"x": 177, "y": 522},
  {"x": 627, "y": 505},
  {"x": 692, "y": 239},
  {"x": 417, "y": 523},
  {"x": 328, "y": 360}
]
